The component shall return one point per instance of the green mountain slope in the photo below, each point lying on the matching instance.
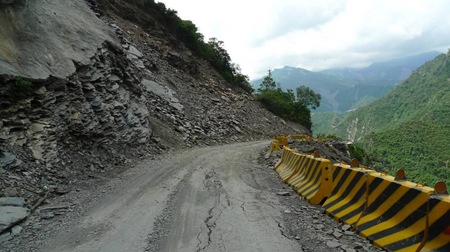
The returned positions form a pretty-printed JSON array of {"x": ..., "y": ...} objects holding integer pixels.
[
  {"x": 410, "y": 127},
  {"x": 323, "y": 123}
]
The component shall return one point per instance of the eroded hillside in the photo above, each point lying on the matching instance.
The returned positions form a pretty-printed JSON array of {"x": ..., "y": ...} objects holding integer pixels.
[{"x": 98, "y": 89}]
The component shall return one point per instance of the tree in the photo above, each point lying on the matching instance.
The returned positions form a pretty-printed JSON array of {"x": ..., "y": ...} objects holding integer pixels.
[
  {"x": 285, "y": 103},
  {"x": 268, "y": 84},
  {"x": 219, "y": 56},
  {"x": 212, "y": 51},
  {"x": 307, "y": 97}
]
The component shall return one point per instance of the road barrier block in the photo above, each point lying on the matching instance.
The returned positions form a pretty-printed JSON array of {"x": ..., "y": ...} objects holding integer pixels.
[
  {"x": 314, "y": 183},
  {"x": 282, "y": 139},
  {"x": 286, "y": 160},
  {"x": 349, "y": 192},
  {"x": 290, "y": 167},
  {"x": 438, "y": 236},
  {"x": 297, "y": 167},
  {"x": 283, "y": 157},
  {"x": 396, "y": 214},
  {"x": 300, "y": 170},
  {"x": 275, "y": 146}
]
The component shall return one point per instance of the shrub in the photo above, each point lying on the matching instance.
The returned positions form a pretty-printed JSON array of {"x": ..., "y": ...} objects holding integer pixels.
[
  {"x": 212, "y": 51},
  {"x": 358, "y": 152},
  {"x": 20, "y": 89}
]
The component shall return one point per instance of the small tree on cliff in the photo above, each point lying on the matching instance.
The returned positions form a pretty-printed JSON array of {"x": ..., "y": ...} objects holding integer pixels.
[
  {"x": 285, "y": 103},
  {"x": 307, "y": 97},
  {"x": 268, "y": 84}
]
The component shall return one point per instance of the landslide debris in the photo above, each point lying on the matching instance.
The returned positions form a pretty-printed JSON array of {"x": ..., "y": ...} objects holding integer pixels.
[
  {"x": 131, "y": 91},
  {"x": 307, "y": 223}
]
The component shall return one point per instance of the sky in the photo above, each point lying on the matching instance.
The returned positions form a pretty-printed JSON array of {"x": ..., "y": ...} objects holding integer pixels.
[{"x": 319, "y": 34}]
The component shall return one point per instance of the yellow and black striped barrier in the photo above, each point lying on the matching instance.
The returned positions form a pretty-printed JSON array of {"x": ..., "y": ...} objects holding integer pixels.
[
  {"x": 438, "y": 233},
  {"x": 282, "y": 139},
  {"x": 290, "y": 169},
  {"x": 275, "y": 146},
  {"x": 348, "y": 196},
  {"x": 299, "y": 165},
  {"x": 396, "y": 214},
  {"x": 312, "y": 179},
  {"x": 299, "y": 171},
  {"x": 393, "y": 213},
  {"x": 287, "y": 159},
  {"x": 320, "y": 180}
]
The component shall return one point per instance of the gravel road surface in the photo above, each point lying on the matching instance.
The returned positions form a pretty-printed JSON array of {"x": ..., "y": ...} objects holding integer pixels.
[{"x": 222, "y": 198}]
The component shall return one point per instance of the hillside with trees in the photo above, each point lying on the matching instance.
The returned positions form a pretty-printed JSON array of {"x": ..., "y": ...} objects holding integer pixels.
[
  {"x": 187, "y": 32},
  {"x": 292, "y": 106},
  {"x": 410, "y": 127}
]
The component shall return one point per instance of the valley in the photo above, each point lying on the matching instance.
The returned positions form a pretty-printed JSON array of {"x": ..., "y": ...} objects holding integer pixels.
[{"x": 125, "y": 126}]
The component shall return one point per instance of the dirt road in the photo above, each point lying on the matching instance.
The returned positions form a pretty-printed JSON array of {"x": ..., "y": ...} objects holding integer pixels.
[
  {"x": 222, "y": 198},
  {"x": 209, "y": 199}
]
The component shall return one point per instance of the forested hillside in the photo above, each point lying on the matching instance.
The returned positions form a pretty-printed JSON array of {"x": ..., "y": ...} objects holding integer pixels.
[{"x": 410, "y": 127}]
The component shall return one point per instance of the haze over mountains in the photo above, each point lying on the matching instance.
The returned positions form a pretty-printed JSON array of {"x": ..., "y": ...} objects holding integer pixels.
[{"x": 343, "y": 89}]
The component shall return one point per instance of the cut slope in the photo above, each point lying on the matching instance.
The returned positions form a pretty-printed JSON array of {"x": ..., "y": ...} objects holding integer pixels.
[
  {"x": 42, "y": 38},
  {"x": 126, "y": 101}
]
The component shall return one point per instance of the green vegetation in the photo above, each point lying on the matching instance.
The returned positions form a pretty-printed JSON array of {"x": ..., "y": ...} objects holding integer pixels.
[
  {"x": 212, "y": 51},
  {"x": 20, "y": 89},
  {"x": 357, "y": 151},
  {"x": 410, "y": 127},
  {"x": 329, "y": 137},
  {"x": 421, "y": 148},
  {"x": 286, "y": 104},
  {"x": 324, "y": 122}
]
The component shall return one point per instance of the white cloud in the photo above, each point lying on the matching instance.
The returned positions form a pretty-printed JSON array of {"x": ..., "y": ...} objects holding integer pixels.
[{"x": 319, "y": 34}]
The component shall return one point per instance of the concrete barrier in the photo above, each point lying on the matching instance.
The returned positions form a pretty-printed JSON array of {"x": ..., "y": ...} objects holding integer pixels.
[
  {"x": 298, "y": 166},
  {"x": 347, "y": 200},
  {"x": 438, "y": 235},
  {"x": 393, "y": 213},
  {"x": 286, "y": 173},
  {"x": 313, "y": 180},
  {"x": 283, "y": 157},
  {"x": 396, "y": 214},
  {"x": 299, "y": 171},
  {"x": 302, "y": 137},
  {"x": 286, "y": 162},
  {"x": 282, "y": 140}
]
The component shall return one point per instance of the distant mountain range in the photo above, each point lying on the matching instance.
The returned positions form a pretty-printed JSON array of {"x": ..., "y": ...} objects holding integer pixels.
[{"x": 347, "y": 88}]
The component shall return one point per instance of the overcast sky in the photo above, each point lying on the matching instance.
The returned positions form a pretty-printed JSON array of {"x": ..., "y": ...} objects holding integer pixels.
[{"x": 319, "y": 34}]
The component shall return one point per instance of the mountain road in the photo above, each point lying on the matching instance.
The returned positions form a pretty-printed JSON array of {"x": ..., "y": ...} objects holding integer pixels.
[{"x": 221, "y": 198}]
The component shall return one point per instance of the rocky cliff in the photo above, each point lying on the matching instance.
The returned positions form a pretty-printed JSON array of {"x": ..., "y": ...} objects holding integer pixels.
[{"x": 88, "y": 91}]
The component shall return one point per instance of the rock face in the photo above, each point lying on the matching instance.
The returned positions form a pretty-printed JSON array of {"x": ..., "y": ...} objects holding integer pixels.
[
  {"x": 12, "y": 210},
  {"x": 7, "y": 1},
  {"x": 164, "y": 92},
  {"x": 93, "y": 103},
  {"x": 109, "y": 102},
  {"x": 42, "y": 38}
]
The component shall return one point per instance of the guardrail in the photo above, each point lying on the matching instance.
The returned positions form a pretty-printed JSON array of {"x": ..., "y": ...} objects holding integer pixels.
[{"x": 393, "y": 213}]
